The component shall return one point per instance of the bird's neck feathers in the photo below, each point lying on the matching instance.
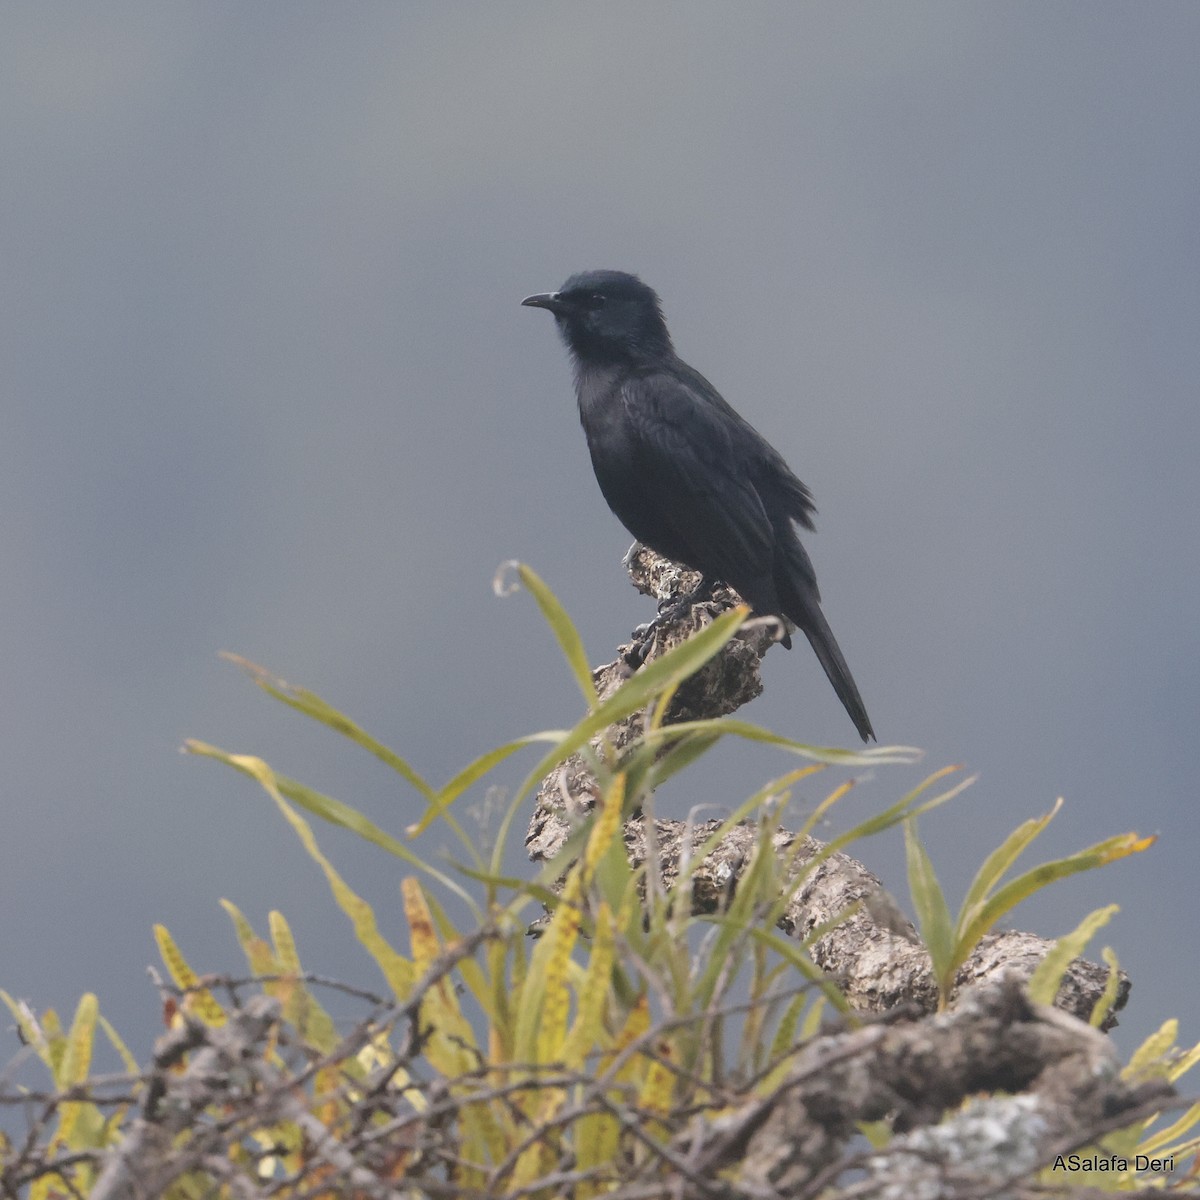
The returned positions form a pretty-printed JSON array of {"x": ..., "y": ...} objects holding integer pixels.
[
  {"x": 595, "y": 381},
  {"x": 645, "y": 341}
]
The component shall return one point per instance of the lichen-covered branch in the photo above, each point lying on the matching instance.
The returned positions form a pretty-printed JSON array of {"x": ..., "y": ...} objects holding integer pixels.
[
  {"x": 875, "y": 954},
  {"x": 1042, "y": 1084}
]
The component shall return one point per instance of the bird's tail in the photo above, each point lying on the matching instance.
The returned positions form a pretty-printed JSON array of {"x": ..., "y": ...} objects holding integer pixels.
[
  {"x": 797, "y": 588},
  {"x": 812, "y": 621}
]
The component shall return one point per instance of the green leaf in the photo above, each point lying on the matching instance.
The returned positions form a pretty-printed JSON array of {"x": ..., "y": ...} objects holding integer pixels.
[
  {"x": 641, "y": 688},
  {"x": 634, "y": 694},
  {"x": 729, "y": 726},
  {"x": 1164, "y": 1137},
  {"x": 909, "y": 805},
  {"x": 560, "y": 624},
  {"x": 1112, "y": 985},
  {"x": 777, "y": 789},
  {"x": 1009, "y": 896},
  {"x": 738, "y": 920},
  {"x": 130, "y": 1063},
  {"x": 1184, "y": 1063},
  {"x": 879, "y": 1134},
  {"x": 649, "y": 765},
  {"x": 906, "y": 806},
  {"x": 313, "y": 706},
  {"x": 829, "y": 989},
  {"x": 1150, "y": 1056},
  {"x": 933, "y": 915},
  {"x": 1048, "y": 975},
  {"x": 29, "y": 1031},
  {"x": 441, "y": 800},
  {"x": 998, "y": 862},
  {"x": 785, "y": 1039},
  {"x": 333, "y": 811}
]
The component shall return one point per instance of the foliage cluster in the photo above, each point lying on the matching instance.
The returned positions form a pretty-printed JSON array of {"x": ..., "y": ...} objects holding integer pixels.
[{"x": 496, "y": 1066}]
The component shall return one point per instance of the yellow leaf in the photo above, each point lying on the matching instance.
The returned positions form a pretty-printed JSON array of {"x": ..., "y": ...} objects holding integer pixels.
[
  {"x": 450, "y": 1036},
  {"x": 197, "y": 1000},
  {"x": 659, "y": 1084},
  {"x": 32, "y": 1031},
  {"x": 587, "y": 1034},
  {"x": 423, "y": 937},
  {"x": 637, "y": 1022},
  {"x": 76, "y": 1064},
  {"x": 396, "y": 969},
  {"x": 597, "y": 1137},
  {"x": 540, "y": 976},
  {"x": 606, "y": 824},
  {"x": 561, "y": 939},
  {"x": 285, "y": 945},
  {"x": 259, "y": 955}
]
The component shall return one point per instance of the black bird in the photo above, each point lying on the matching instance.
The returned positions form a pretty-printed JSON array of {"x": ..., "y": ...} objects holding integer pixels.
[{"x": 686, "y": 475}]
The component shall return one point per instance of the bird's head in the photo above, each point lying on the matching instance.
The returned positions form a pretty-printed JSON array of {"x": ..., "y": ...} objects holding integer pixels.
[{"x": 606, "y": 316}]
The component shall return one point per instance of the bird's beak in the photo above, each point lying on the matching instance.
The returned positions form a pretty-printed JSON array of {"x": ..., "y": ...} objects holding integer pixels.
[{"x": 551, "y": 300}]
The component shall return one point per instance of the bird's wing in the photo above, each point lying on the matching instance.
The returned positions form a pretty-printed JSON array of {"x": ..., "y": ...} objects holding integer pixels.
[
  {"x": 779, "y": 489},
  {"x": 690, "y": 459}
]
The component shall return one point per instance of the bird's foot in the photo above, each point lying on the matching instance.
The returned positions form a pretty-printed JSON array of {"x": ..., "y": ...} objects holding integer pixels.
[
  {"x": 670, "y": 610},
  {"x": 675, "y": 607},
  {"x": 643, "y": 639}
]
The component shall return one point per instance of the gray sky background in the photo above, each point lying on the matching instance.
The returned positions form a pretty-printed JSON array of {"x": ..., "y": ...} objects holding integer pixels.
[{"x": 268, "y": 388}]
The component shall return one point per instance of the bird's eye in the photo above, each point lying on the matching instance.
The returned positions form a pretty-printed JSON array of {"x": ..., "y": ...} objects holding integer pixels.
[{"x": 596, "y": 300}]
